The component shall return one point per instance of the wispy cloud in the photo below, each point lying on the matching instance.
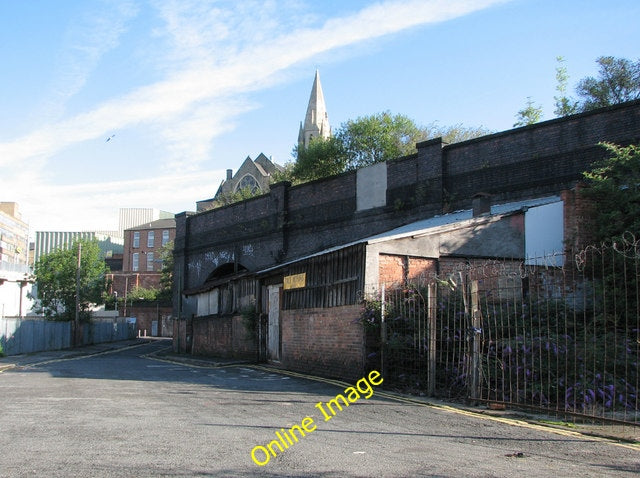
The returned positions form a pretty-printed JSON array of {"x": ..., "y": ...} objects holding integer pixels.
[
  {"x": 97, "y": 32},
  {"x": 213, "y": 55},
  {"x": 100, "y": 213}
]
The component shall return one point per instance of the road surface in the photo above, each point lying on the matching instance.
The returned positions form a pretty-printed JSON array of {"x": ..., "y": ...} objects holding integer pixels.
[{"x": 125, "y": 413}]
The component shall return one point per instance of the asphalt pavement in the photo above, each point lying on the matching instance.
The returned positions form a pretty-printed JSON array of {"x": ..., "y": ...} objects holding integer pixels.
[{"x": 135, "y": 409}]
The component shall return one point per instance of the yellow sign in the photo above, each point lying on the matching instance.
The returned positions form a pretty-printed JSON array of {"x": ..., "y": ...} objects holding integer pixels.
[{"x": 295, "y": 281}]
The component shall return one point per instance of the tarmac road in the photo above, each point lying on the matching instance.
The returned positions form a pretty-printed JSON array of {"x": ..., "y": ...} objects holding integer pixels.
[{"x": 126, "y": 413}]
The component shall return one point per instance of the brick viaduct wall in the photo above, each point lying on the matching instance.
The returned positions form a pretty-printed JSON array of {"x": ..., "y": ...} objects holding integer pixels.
[
  {"x": 540, "y": 158},
  {"x": 292, "y": 221}
]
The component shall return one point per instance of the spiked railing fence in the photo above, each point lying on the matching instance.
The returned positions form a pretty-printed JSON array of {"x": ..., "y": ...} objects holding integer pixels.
[{"x": 560, "y": 333}]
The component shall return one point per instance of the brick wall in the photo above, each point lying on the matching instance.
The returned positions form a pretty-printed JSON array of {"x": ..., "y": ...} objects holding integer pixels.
[
  {"x": 421, "y": 267},
  {"x": 400, "y": 269},
  {"x": 129, "y": 281},
  {"x": 391, "y": 269},
  {"x": 577, "y": 219},
  {"x": 224, "y": 336},
  {"x": 324, "y": 342},
  {"x": 145, "y": 315},
  {"x": 540, "y": 158},
  {"x": 291, "y": 222}
]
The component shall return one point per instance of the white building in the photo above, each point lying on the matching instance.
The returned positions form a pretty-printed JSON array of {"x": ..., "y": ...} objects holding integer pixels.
[{"x": 15, "y": 280}]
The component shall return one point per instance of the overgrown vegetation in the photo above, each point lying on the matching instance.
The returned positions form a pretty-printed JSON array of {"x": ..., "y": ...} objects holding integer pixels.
[
  {"x": 236, "y": 196},
  {"x": 532, "y": 350},
  {"x": 618, "y": 81},
  {"x": 614, "y": 185},
  {"x": 614, "y": 190}
]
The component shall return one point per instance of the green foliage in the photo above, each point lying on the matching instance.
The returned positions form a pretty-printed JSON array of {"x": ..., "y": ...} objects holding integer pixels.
[
  {"x": 143, "y": 294},
  {"x": 236, "y": 196},
  {"x": 532, "y": 350},
  {"x": 614, "y": 185},
  {"x": 379, "y": 137},
  {"x": 286, "y": 173},
  {"x": 530, "y": 114},
  {"x": 614, "y": 189},
  {"x": 618, "y": 81},
  {"x": 323, "y": 157},
  {"x": 166, "y": 277},
  {"x": 368, "y": 140},
  {"x": 1, "y": 351},
  {"x": 565, "y": 106},
  {"x": 56, "y": 281},
  {"x": 455, "y": 133}
]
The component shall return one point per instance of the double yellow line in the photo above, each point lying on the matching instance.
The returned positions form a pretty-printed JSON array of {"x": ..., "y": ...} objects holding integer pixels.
[
  {"x": 412, "y": 401},
  {"x": 458, "y": 411}
]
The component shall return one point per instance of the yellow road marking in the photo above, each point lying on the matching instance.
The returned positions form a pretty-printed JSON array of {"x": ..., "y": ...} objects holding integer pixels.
[
  {"x": 79, "y": 357},
  {"x": 468, "y": 413}
]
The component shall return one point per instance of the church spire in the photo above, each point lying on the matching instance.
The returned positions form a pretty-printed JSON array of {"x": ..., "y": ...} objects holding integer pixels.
[{"x": 316, "y": 121}]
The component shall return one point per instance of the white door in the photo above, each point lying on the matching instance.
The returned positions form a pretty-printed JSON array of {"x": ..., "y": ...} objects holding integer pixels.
[{"x": 273, "y": 338}]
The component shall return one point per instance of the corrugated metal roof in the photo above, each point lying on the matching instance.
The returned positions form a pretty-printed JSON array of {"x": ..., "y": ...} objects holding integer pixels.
[{"x": 431, "y": 225}]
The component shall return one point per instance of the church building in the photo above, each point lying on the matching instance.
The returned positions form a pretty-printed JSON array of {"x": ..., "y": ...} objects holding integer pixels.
[
  {"x": 316, "y": 121},
  {"x": 255, "y": 174}
]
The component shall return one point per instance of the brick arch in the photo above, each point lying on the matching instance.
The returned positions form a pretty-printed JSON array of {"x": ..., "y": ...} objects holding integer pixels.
[{"x": 224, "y": 270}]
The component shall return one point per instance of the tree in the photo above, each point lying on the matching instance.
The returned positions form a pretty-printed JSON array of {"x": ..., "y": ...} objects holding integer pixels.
[
  {"x": 56, "y": 275},
  {"x": 530, "y": 114},
  {"x": 614, "y": 185},
  {"x": 565, "y": 106},
  {"x": 614, "y": 189},
  {"x": 323, "y": 157},
  {"x": 379, "y": 137},
  {"x": 618, "y": 81},
  {"x": 166, "y": 277},
  {"x": 368, "y": 140}
]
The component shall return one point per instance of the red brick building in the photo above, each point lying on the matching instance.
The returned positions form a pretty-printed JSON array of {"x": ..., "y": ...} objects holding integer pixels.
[{"x": 142, "y": 259}]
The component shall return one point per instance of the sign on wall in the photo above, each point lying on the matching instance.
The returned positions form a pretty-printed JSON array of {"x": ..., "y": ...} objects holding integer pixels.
[{"x": 295, "y": 281}]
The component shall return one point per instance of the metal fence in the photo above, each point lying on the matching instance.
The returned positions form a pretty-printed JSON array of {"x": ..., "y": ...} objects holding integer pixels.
[
  {"x": 20, "y": 336},
  {"x": 560, "y": 334}
]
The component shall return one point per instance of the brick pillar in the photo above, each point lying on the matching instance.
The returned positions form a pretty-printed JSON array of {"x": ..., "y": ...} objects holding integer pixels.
[
  {"x": 279, "y": 193},
  {"x": 431, "y": 169}
]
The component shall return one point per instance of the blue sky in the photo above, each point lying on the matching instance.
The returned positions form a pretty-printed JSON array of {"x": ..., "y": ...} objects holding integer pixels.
[{"x": 190, "y": 88}]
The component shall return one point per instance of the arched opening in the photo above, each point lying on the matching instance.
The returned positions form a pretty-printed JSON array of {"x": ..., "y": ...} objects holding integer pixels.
[
  {"x": 224, "y": 271},
  {"x": 248, "y": 182}
]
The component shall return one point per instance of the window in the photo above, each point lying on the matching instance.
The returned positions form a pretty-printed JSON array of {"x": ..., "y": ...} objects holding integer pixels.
[
  {"x": 136, "y": 239},
  {"x": 135, "y": 262},
  {"x": 248, "y": 182},
  {"x": 151, "y": 235},
  {"x": 149, "y": 261},
  {"x": 165, "y": 237}
]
